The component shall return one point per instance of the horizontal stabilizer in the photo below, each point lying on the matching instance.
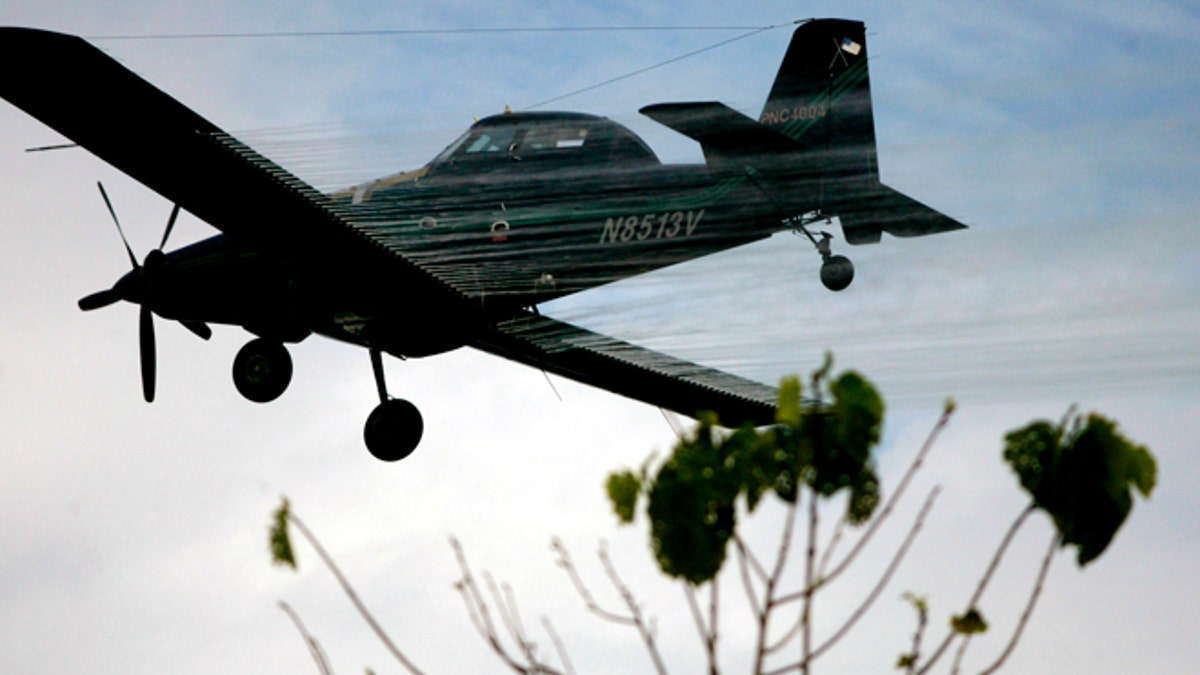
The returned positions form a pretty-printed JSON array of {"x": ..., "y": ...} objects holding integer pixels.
[
  {"x": 882, "y": 209},
  {"x": 730, "y": 140}
]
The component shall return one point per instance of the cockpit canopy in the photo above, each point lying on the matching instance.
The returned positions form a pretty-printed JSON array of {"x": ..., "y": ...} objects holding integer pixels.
[{"x": 550, "y": 141}]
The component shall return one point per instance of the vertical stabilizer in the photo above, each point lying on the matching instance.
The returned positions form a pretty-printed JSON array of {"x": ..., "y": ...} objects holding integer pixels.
[{"x": 822, "y": 97}]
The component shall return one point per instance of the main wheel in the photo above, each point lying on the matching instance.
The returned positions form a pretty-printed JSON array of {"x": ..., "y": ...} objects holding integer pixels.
[
  {"x": 837, "y": 272},
  {"x": 262, "y": 370},
  {"x": 393, "y": 430}
]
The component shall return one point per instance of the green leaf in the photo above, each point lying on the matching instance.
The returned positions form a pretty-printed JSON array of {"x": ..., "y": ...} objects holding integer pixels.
[
  {"x": 693, "y": 494},
  {"x": 971, "y": 623},
  {"x": 623, "y": 490},
  {"x": 840, "y": 439},
  {"x": 279, "y": 541},
  {"x": 919, "y": 603},
  {"x": 691, "y": 507},
  {"x": 1081, "y": 473},
  {"x": 787, "y": 410}
]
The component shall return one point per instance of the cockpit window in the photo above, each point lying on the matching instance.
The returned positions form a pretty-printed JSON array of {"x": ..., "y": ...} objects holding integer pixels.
[
  {"x": 518, "y": 143},
  {"x": 553, "y": 137},
  {"x": 499, "y": 139}
]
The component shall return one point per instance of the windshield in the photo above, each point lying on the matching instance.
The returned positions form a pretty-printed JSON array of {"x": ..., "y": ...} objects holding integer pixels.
[{"x": 479, "y": 142}]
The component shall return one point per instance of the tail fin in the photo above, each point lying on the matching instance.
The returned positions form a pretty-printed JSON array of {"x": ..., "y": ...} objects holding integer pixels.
[
  {"x": 817, "y": 131},
  {"x": 822, "y": 96}
]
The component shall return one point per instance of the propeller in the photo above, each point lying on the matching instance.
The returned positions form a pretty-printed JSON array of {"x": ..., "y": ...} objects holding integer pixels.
[{"x": 138, "y": 287}]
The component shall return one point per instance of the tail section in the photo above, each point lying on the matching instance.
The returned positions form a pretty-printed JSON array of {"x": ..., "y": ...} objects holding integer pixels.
[
  {"x": 815, "y": 136},
  {"x": 822, "y": 97}
]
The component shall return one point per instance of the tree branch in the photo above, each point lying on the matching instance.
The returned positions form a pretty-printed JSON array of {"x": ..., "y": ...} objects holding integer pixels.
[
  {"x": 337, "y": 573},
  {"x": 559, "y": 647},
  {"x": 314, "y": 647},
  {"x": 983, "y": 583},
  {"x": 915, "y": 466},
  {"x": 634, "y": 618},
  {"x": 478, "y": 610},
  {"x": 635, "y": 611},
  {"x": 747, "y": 582},
  {"x": 564, "y": 561},
  {"x": 1037, "y": 590},
  {"x": 887, "y": 575},
  {"x": 861, "y": 611},
  {"x": 809, "y": 587}
]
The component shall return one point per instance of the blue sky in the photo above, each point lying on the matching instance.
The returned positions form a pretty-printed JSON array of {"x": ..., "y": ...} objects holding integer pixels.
[{"x": 1065, "y": 136}]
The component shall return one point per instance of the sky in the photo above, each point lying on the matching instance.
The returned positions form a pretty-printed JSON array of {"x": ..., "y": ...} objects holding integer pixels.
[{"x": 134, "y": 535}]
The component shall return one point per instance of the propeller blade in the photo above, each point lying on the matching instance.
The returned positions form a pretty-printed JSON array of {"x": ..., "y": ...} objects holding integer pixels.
[
  {"x": 146, "y": 340},
  {"x": 98, "y": 300},
  {"x": 112, "y": 212},
  {"x": 170, "y": 226},
  {"x": 200, "y": 328}
]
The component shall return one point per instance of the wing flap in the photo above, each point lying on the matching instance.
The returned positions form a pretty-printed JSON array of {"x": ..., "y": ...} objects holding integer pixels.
[{"x": 629, "y": 370}]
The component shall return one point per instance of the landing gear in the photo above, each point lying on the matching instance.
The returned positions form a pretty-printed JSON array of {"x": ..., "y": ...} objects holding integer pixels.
[
  {"x": 394, "y": 427},
  {"x": 393, "y": 430},
  {"x": 262, "y": 370},
  {"x": 836, "y": 270}
]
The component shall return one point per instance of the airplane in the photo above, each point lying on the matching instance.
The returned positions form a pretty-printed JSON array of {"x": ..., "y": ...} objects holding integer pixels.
[{"x": 523, "y": 208}]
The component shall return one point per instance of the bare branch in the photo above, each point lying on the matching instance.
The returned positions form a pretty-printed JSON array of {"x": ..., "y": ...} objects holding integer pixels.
[
  {"x": 337, "y": 573},
  {"x": 708, "y": 634},
  {"x": 314, "y": 647},
  {"x": 959, "y": 654},
  {"x": 917, "y": 462},
  {"x": 873, "y": 595},
  {"x": 565, "y": 562},
  {"x": 476, "y": 605},
  {"x": 922, "y": 621},
  {"x": 1037, "y": 590},
  {"x": 635, "y": 610},
  {"x": 478, "y": 610},
  {"x": 559, "y": 647},
  {"x": 836, "y": 539},
  {"x": 983, "y": 583},
  {"x": 506, "y": 607},
  {"x": 747, "y": 584},
  {"x": 887, "y": 575},
  {"x": 809, "y": 586},
  {"x": 786, "y": 637},
  {"x": 712, "y": 627}
]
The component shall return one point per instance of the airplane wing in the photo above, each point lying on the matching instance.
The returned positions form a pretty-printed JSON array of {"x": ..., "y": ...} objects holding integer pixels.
[
  {"x": 81, "y": 92},
  {"x": 623, "y": 368},
  {"x": 76, "y": 89}
]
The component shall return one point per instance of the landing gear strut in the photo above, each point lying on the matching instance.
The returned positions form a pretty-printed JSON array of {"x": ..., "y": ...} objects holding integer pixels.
[
  {"x": 836, "y": 270},
  {"x": 394, "y": 427},
  {"x": 262, "y": 370}
]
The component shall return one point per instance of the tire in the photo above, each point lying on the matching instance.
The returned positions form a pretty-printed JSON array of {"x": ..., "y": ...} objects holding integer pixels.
[
  {"x": 837, "y": 272},
  {"x": 262, "y": 370},
  {"x": 393, "y": 430}
]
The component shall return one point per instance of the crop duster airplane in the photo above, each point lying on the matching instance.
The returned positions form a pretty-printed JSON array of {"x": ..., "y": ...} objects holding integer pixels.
[{"x": 522, "y": 209}]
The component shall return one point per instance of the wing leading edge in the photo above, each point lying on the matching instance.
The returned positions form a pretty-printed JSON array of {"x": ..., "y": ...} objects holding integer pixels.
[{"x": 84, "y": 94}]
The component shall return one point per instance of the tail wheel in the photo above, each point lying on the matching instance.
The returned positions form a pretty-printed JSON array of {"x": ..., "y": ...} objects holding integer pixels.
[
  {"x": 837, "y": 272},
  {"x": 393, "y": 430},
  {"x": 262, "y": 370}
]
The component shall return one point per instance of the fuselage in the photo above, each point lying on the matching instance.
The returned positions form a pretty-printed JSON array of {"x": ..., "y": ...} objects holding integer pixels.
[{"x": 522, "y": 209}]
